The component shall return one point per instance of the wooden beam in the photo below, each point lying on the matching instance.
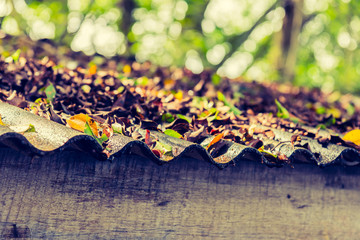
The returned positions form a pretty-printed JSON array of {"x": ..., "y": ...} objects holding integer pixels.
[{"x": 73, "y": 196}]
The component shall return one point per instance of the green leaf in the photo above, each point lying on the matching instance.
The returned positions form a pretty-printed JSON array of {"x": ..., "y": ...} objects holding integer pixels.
[
  {"x": 208, "y": 113},
  {"x": 142, "y": 81},
  {"x": 331, "y": 121},
  {"x": 164, "y": 148},
  {"x": 103, "y": 138},
  {"x": 172, "y": 133},
  {"x": 30, "y": 129},
  {"x": 215, "y": 79},
  {"x": 117, "y": 128},
  {"x": 321, "y": 126},
  {"x": 88, "y": 131},
  {"x": 167, "y": 117},
  {"x": 184, "y": 117},
  {"x": 320, "y": 110},
  {"x": 282, "y": 112},
  {"x": 233, "y": 109},
  {"x": 16, "y": 55},
  {"x": 50, "y": 92}
]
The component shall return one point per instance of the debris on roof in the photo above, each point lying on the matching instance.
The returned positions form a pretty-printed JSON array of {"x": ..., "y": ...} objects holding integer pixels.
[
  {"x": 152, "y": 112},
  {"x": 49, "y": 137}
]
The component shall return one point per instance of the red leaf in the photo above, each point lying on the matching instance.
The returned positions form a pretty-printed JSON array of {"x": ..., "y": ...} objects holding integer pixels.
[
  {"x": 147, "y": 138},
  {"x": 156, "y": 152}
]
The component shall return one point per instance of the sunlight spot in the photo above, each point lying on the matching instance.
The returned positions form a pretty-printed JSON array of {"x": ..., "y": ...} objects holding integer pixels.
[
  {"x": 41, "y": 30},
  {"x": 164, "y": 13},
  {"x": 311, "y": 6},
  {"x": 78, "y": 5},
  {"x": 82, "y": 39},
  {"x": 107, "y": 41},
  {"x": 263, "y": 30},
  {"x": 10, "y": 26},
  {"x": 207, "y": 25},
  {"x": 237, "y": 64},
  {"x": 175, "y": 30},
  {"x": 216, "y": 54},
  {"x": 138, "y": 28},
  {"x": 344, "y": 39},
  {"x": 326, "y": 60},
  {"x": 20, "y": 6},
  {"x": 234, "y": 16},
  {"x": 74, "y": 21},
  {"x": 152, "y": 25},
  {"x": 250, "y": 45},
  {"x": 5, "y": 8},
  {"x": 112, "y": 15},
  {"x": 140, "y": 13},
  {"x": 181, "y": 8},
  {"x": 193, "y": 62}
]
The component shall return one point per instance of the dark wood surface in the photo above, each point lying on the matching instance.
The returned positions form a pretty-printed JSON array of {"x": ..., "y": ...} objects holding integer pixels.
[{"x": 72, "y": 196}]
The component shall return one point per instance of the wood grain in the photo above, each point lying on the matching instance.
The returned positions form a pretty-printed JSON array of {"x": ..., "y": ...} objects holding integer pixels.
[{"x": 72, "y": 196}]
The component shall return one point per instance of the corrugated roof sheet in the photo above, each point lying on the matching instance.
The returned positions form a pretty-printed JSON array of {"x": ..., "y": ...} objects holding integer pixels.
[{"x": 50, "y": 137}]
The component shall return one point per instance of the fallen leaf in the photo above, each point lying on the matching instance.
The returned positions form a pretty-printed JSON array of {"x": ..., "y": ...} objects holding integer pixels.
[
  {"x": 147, "y": 138},
  {"x": 31, "y": 128},
  {"x": 78, "y": 122},
  {"x": 296, "y": 138},
  {"x": 107, "y": 130},
  {"x": 92, "y": 70},
  {"x": 216, "y": 139},
  {"x": 156, "y": 152},
  {"x": 172, "y": 133},
  {"x": 117, "y": 128},
  {"x": 1, "y": 122},
  {"x": 353, "y": 136},
  {"x": 50, "y": 92},
  {"x": 180, "y": 116},
  {"x": 14, "y": 57},
  {"x": 167, "y": 117},
  {"x": 127, "y": 69},
  {"x": 233, "y": 109},
  {"x": 282, "y": 112}
]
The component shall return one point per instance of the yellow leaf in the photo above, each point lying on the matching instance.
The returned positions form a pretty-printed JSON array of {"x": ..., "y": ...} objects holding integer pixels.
[
  {"x": 353, "y": 136},
  {"x": 127, "y": 69},
  {"x": 1, "y": 122},
  {"x": 78, "y": 122},
  {"x": 179, "y": 95},
  {"x": 215, "y": 140}
]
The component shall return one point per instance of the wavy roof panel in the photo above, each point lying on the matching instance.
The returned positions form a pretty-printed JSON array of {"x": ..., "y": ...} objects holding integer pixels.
[{"x": 50, "y": 137}]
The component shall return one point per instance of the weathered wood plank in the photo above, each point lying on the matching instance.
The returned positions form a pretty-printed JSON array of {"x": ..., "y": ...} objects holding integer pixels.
[{"x": 72, "y": 196}]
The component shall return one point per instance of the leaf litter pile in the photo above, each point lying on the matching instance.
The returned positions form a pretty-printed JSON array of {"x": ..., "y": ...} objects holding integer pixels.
[{"x": 142, "y": 99}]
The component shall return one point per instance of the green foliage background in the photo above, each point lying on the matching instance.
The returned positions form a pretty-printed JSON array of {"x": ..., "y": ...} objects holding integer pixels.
[{"x": 235, "y": 37}]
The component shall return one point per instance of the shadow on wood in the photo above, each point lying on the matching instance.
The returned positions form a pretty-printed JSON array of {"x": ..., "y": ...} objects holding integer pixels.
[{"x": 73, "y": 196}]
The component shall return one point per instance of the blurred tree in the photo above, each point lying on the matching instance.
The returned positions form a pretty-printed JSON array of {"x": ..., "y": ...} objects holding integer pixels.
[
  {"x": 309, "y": 42},
  {"x": 289, "y": 38}
]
